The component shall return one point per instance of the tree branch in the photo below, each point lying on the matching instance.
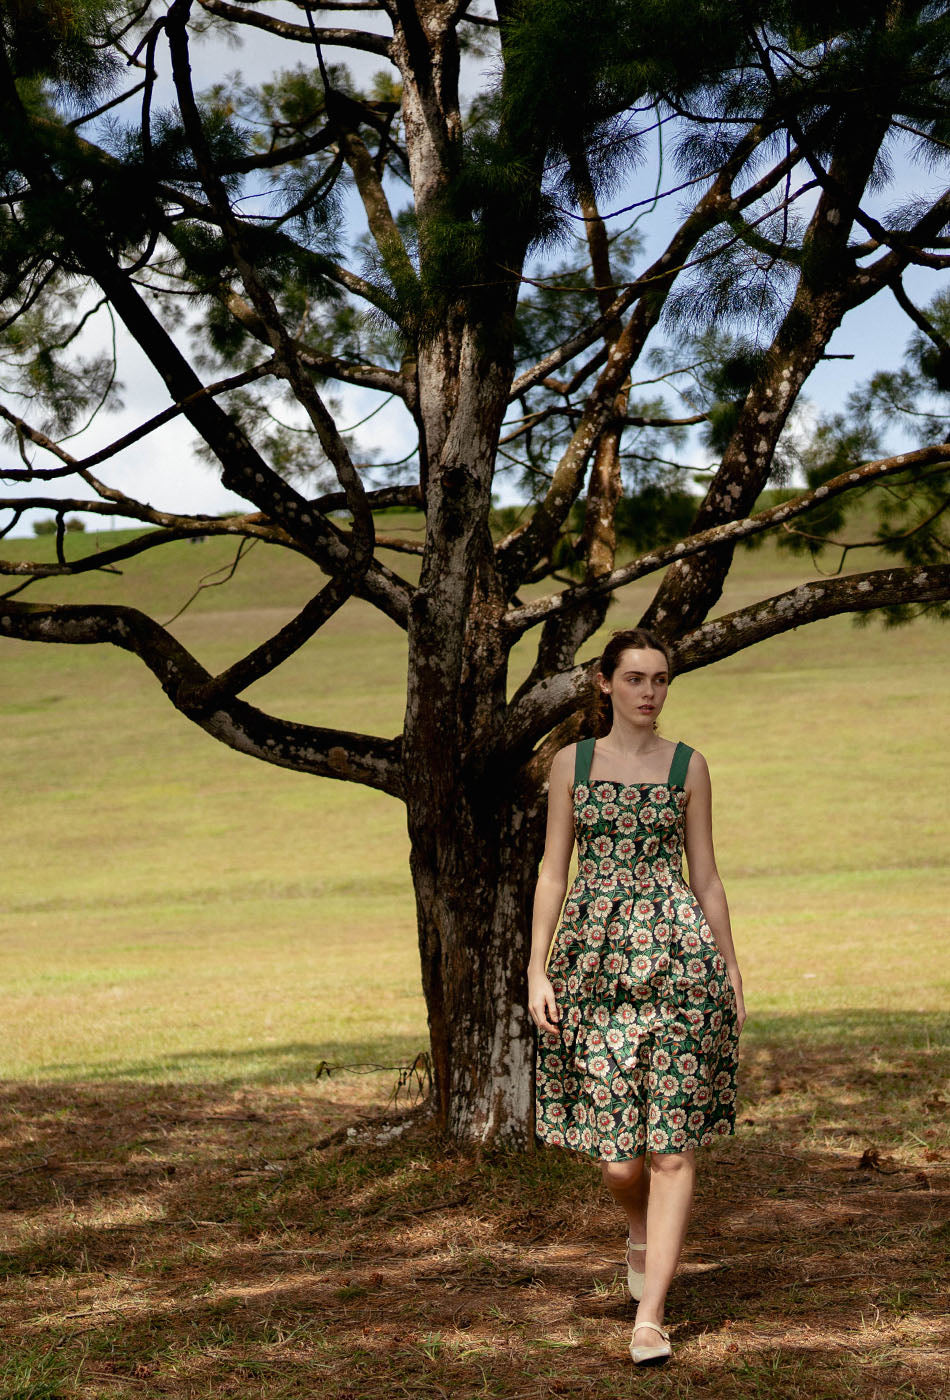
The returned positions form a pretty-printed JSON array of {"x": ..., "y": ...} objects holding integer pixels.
[
  {"x": 367, "y": 376},
  {"x": 519, "y": 619},
  {"x": 188, "y": 528},
  {"x": 520, "y": 550},
  {"x": 243, "y": 469},
  {"x": 75, "y": 466},
  {"x": 659, "y": 272},
  {"x": 329, "y": 753},
  {"x": 344, "y": 116},
  {"x": 879, "y": 588},
  {"x": 279, "y": 647},
  {"x": 918, "y": 318},
  {"x": 556, "y": 698},
  {"x": 572, "y": 347},
  {"x": 829, "y": 285},
  {"x": 628, "y": 420},
  {"x": 408, "y": 496},
  {"x": 358, "y": 558},
  {"x": 346, "y": 38}
]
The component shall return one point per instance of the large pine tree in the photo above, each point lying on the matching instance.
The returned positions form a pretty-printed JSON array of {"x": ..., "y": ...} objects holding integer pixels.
[{"x": 462, "y": 293}]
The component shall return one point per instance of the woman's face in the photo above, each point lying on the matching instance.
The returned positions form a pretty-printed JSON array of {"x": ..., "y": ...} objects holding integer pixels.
[{"x": 638, "y": 686}]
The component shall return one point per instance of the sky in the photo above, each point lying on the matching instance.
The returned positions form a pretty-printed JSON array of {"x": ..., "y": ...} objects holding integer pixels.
[{"x": 164, "y": 469}]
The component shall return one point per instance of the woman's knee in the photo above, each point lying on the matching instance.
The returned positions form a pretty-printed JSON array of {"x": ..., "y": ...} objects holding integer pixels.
[
  {"x": 621, "y": 1174},
  {"x": 673, "y": 1161}
]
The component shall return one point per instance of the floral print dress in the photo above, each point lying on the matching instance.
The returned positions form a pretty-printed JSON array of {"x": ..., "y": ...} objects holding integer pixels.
[{"x": 646, "y": 1051}]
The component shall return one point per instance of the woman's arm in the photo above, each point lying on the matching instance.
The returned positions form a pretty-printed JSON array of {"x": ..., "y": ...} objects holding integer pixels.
[
  {"x": 551, "y": 887},
  {"x": 704, "y": 878}
]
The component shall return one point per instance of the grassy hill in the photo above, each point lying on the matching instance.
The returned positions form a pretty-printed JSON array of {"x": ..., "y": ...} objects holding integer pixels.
[{"x": 176, "y": 910}]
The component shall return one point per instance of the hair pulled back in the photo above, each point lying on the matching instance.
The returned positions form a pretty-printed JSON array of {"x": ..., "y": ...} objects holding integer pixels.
[{"x": 601, "y": 707}]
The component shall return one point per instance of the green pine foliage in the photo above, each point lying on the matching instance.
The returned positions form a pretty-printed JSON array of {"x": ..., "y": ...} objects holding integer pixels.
[
  {"x": 579, "y": 90},
  {"x": 62, "y": 43}
]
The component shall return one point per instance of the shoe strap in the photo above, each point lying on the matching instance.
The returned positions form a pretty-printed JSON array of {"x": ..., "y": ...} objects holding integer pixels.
[{"x": 655, "y": 1327}]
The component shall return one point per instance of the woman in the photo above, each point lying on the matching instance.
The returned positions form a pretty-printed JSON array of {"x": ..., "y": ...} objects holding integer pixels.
[{"x": 639, "y": 1020}]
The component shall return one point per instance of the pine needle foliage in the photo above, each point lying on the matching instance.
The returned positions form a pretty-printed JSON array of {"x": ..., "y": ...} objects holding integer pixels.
[{"x": 62, "y": 43}]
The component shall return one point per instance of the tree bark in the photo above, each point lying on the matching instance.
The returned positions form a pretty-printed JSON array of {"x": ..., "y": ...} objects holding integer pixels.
[{"x": 474, "y": 883}]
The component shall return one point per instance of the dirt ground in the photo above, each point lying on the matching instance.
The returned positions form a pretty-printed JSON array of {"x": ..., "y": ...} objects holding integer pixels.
[{"x": 192, "y": 1241}]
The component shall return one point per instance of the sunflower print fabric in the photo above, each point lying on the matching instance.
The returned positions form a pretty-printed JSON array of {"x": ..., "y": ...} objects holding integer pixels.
[{"x": 646, "y": 1052}]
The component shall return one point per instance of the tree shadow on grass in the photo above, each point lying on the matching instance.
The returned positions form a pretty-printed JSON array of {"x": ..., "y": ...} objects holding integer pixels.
[
  {"x": 293, "y": 1062},
  {"x": 191, "y": 1240}
]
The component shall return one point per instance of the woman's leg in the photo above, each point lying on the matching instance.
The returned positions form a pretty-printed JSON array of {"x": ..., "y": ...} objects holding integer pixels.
[
  {"x": 672, "y": 1175},
  {"x": 628, "y": 1184}
]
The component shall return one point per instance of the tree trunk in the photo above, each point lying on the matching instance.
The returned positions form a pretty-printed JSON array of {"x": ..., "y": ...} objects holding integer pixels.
[{"x": 474, "y": 872}]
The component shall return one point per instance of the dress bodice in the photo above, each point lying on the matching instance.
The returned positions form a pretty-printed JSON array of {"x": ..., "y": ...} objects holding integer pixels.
[{"x": 629, "y": 834}]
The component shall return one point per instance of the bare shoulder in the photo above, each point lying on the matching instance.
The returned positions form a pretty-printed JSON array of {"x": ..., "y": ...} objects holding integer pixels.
[
  {"x": 562, "y": 766},
  {"x": 697, "y": 771}
]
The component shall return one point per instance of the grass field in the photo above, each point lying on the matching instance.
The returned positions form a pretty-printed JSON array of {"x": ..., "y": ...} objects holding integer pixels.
[{"x": 187, "y": 934}]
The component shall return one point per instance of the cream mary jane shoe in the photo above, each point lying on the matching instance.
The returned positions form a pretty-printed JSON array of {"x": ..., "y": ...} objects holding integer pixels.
[
  {"x": 651, "y": 1356},
  {"x": 636, "y": 1278}
]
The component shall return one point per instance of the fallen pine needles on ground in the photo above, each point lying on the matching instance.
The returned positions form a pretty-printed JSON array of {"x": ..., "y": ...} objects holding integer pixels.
[{"x": 189, "y": 1241}]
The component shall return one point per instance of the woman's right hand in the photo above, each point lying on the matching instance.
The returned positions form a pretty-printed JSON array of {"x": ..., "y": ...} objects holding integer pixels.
[{"x": 541, "y": 1002}]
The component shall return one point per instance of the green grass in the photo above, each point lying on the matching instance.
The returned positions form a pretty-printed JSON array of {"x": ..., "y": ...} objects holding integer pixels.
[{"x": 173, "y": 910}]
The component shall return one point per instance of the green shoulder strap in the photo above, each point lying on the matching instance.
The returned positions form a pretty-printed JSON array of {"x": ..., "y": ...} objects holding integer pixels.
[
  {"x": 681, "y": 756},
  {"x": 583, "y": 758}
]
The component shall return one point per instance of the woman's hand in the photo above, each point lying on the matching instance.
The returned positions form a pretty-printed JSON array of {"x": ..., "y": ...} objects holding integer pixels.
[
  {"x": 541, "y": 1001},
  {"x": 736, "y": 981}
]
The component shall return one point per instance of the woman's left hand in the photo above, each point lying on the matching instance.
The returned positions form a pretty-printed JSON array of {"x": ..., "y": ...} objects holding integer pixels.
[{"x": 736, "y": 982}]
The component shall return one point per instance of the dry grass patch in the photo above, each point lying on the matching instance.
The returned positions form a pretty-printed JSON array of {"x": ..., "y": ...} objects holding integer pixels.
[{"x": 274, "y": 1241}]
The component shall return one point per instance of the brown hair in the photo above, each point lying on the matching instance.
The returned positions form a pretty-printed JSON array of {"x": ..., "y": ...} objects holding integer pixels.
[{"x": 602, "y": 711}]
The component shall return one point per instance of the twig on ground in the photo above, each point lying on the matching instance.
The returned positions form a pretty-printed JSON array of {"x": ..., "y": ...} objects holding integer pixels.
[{"x": 21, "y": 1171}]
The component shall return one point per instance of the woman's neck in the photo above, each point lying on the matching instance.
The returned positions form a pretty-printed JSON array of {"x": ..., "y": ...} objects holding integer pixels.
[{"x": 630, "y": 740}]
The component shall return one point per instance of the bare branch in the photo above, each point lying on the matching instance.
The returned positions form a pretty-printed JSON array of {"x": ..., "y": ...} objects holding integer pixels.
[
  {"x": 344, "y": 116},
  {"x": 347, "y": 38},
  {"x": 107, "y": 106},
  {"x": 520, "y": 550},
  {"x": 243, "y": 469},
  {"x": 368, "y": 376},
  {"x": 189, "y": 527},
  {"x": 821, "y": 299},
  {"x": 530, "y": 614},
  {"x": 75, "y": 466},
  {"x": 400, "y": 546},
  {"x": 564, "y": 633},
  {"x": 918, "y": 317},
  {"x": 329, "y": 753},
  {"x": 556, "y": 698},
  {"x": 660, "y": 272},
  {"x": 907, "y": 246},
  {"x": 361, "y": 287},
  {"x": 582, "y": 373},
  {"x": 879, "y": 588},
  {"x": 409, "y": 496},
  {"x": 281, "y": 155},
  {"x": 629, "y": 420},
  {"x": 485, "y": 20},
  {"x": 581, "y": 341},
  {"x": 341, "y": 5},
  {"x": 357, "y": 560},
  {"x": 279, "y": 647}
]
